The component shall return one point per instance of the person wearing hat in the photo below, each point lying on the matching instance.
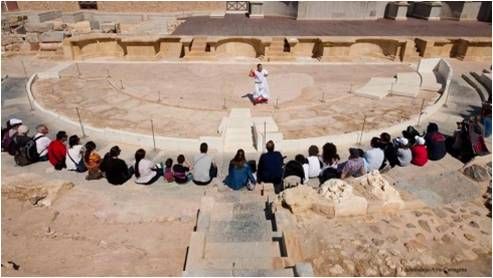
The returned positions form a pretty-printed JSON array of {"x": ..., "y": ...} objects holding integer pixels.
[
  {"x": 116, "y": 170},
  {"x": 355, "y": 166},
  {"x": 404, "y": 154},
  {"x": 9, "y": 134},
  {"x": 57, "y": 150},
  {"x": 42, "y": 141},
  {"x": 419, "y": 152}
]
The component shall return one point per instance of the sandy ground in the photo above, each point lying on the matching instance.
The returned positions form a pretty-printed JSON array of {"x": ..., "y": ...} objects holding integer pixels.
[{"x": 200, "y": 95}]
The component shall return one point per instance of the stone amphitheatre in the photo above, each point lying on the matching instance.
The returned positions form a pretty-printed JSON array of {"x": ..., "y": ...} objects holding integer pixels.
[{"x": 166, "y": 76}]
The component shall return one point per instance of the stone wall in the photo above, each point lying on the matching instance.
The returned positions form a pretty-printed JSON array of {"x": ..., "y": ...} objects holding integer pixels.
[
  {"x": 281, "y": 8},
  {"x": 66, "y": 6},
  {"x": 158, "y": 6},
  {"x": 338, "y": 10},
  {"x": 459, "y": 10},
  {"x": 126, "y": 6},
  {"x": 332, "y": 49}
]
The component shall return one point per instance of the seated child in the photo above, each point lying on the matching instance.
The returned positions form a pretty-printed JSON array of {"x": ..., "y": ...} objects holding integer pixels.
[
  {"x": 168, "y": 171},
  {"x": 181, "y": 170}
]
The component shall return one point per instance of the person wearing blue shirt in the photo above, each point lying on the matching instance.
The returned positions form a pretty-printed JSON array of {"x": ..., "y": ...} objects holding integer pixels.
[{"x": 239, "y": 173}]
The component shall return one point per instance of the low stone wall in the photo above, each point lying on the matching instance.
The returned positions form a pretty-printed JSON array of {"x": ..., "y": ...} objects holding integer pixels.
[{"x": 331, "y": 49}]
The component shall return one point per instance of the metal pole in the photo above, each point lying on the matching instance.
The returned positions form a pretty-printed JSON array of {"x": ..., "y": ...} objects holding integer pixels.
[
  {"x": 265, "y": 135},
  {"x": 224, "y": 103},
  {"x": 350, "y": 88},
  {"x": 24, "y": 68},
  {"x": 80, "y": 122},
  {"x": 121, "y": 84},
  {"x": 153, "y": 137},
  {"x": 78, "y": 69},
  {"x": 323, "y": 97},
  {"x": 277, "y": 104},
  {"x": 108, "y": 75},
  {"x": 420, "y": 111},
  {"x": 362, "y": 129}
]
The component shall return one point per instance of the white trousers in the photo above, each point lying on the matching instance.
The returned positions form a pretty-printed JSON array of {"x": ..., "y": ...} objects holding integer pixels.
[{"x": 261, "y": 90}]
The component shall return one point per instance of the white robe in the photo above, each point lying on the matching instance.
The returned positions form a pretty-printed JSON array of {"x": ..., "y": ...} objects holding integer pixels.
[{"x": 261, "y": 85}]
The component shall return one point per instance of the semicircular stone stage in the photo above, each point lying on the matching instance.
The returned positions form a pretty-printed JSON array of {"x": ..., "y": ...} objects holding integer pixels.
[{"x": 190, "y": 100}]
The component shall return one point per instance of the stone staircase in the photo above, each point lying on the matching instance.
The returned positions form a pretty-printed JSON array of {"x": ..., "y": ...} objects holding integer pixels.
[
  {"x": 236, "y": 235},
  {"x": 276, "y": 50},
  {"x": 480, "y": 82},
  {"x": 198, "y": 49},
  {"x": 237, "y": 128}
]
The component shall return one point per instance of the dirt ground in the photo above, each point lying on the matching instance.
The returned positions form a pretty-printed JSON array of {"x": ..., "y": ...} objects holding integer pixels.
[{"x": 306, "y": 100}]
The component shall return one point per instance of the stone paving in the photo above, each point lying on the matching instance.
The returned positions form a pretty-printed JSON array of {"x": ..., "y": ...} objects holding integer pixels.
[{"x": 239, "y": 25}]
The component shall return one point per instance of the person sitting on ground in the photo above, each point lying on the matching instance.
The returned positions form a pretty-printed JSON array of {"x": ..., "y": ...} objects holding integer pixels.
[
  {"x": 476, "y": 136},
  {"x": 42, "y": 142},
  {"x": 203, "y": 167},
  {"x": 181, "y": 170},
  {"x": 419, "y": 152},
  {"x": 435, "y": 142},
  {"x": 354, "y": 166},
  {"x": 297, "y": 167},
  {"x": 9, "y": 134},
  {"x": 57, "y": 151},
  {"x": 146, "y": 171},
  {"x": 239, "y": 173},
  {"x": 19, "y": 145},
  {"x": 404, "y": 154},
  {"x": 389, "y": 151},
  {"x": 270, "y": 166},
  {"x": 314, "y": 162},
  {"x": 92, "y": 160},
  {"x": 168, "y": 170},
  {"x": 75, "y": 152},
  {"x": 330, "y": 163},
  {"x": 374, "y": 156},
  {"x": 116, "y": 169}
]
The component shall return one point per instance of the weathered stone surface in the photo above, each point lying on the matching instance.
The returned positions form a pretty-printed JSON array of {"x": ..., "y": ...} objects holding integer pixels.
[
  {"x": 336, "y": 270},
  {"x": 374, "y": 183},
  {"x": 415, "y": 246},
  {"x": 38, "y": 27},
  {"x": 109, "y": 27},
  {"x": 424, "y": 225},
  {"x": 345, "y": 201},
  {"x": 32, "y": 37},
  {"x": 477, "y": 172},
  {"x": 51, "y": 36},
  {"x": 29, "y": 187},
  {"x": 299, "y": 199},
  {"x": 469, "y": 237}
]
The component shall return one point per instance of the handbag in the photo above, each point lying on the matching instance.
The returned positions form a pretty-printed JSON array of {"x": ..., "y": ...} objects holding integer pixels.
[{"x": 79, "y": 167}]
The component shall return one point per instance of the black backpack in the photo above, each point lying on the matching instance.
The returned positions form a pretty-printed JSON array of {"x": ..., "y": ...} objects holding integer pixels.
[{"x": 27, "y": 153}]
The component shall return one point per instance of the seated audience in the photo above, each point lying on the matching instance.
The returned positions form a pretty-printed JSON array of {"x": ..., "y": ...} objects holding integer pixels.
[
  {"x": 181, "y": 170},
  {"x": 9, "y": 134},
  {"x": 330, "y": 158},
  {"x": 314, "y": 162},
  {"x": 57, "y": 151},
  {"x": 419, "y": 152},
  {"x": 270, "y": 166},
  {"x": 42, "y": 142},
  {"x": 92, "y": 161},
  {"x": 435, "y": 142},
  {"x": 74, "y": 160},
  {"x": 204, "y": 169},
  {"x": 374, "y": 156},
  {"x": 404, "y": 154},
  {"x": 146, "y": 171},
  {"x": 355, "y": 166},
  {"x": 297, "y": 168},
  {"x": 239, "y": 173},
  {"x": 22, "y": 150},
  {"x": 389, "y": 151},
  {"x": 168, "y": 170},
  {"x": 410, "y": 133},
  {"x": 116, "y": 169}
]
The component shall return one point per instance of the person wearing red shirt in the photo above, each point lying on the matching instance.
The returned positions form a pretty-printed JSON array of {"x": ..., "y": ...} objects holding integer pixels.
[
  {"x": 419, "y": 151},
  {"x": 57, "y": 150}
]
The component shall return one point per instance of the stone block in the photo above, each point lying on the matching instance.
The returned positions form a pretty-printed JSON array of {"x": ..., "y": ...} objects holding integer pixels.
[
  {"x": 397, "y": 10},
  {"x": 303, "y": 270},
  {"x": 52, "y": 36},
  {"x": 38, "y": 27},
  {"x": 108, "y": 27},
  {"x": 477, "y": 173}
]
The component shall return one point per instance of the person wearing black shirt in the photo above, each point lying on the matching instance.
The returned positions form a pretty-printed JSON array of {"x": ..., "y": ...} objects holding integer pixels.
[{"x": 116, "y": 170}]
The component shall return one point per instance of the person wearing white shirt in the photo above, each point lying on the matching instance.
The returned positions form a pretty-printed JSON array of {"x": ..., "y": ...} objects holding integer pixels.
[
  {"x": 374, "y": 156},
  {"x": 146, "y": 171},
  {"x": 314, "y": 163},
  {"x": 42, "y": 142},
  {"x": 261, "y": 84},
  {"x": 73, "y": 160}
]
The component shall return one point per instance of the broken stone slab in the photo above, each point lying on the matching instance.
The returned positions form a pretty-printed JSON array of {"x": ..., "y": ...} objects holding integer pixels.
[
  {"x": 38, "y": 27},
  {"x": 32, "y": 37},
  {"x": 477, "y": 172},
  {"x": 109, "y": 27},
  {"x": 374, "y": 183},
  {"x": 52, "y": 36},
  {"x": 346, "y": 203},
  {"x": 30, "y": 187}
]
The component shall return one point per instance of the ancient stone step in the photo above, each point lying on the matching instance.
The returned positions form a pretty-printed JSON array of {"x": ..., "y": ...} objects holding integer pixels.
[
  {"x": 480, "y": 89},
  {"x": 243, "y": 250}
]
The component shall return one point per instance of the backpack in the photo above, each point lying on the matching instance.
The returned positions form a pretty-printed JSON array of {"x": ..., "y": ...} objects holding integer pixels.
[{"x": 26, "y": 154}]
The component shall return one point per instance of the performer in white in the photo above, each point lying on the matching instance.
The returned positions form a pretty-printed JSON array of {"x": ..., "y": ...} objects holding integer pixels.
[{"x": 261, "y": 85}]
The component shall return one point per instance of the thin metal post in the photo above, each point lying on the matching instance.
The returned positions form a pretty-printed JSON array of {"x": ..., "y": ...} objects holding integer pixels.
[
  {"x": 24, "y": 69},
  {"x": 350, "y": 88},
  {"x": 153, "y": 137},
  {"x": 78, "y": 69},
  {"x": 265, "y": 135},
  {"x": 420, "y": 111},
  {"x": 277, "y": 104},
  {"x": 224, "y": 103},
  {"x": 80, "y": 122},
  {"x": 108, "y": 75},
  {"x": 362, "y": 129},
  {"x": 121, "y": 84},
  {"x": 323, "y": 97}
]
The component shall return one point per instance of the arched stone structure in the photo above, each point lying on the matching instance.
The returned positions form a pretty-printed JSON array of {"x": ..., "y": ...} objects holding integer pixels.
[
  {"x": 384, "y": 48},
  {"x": 243, "y": 47}
]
